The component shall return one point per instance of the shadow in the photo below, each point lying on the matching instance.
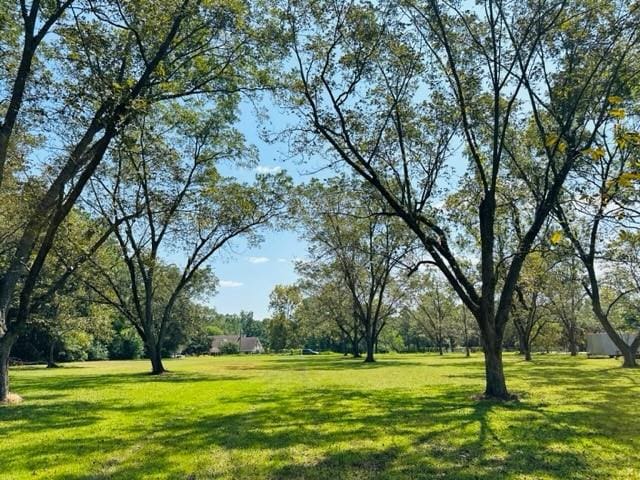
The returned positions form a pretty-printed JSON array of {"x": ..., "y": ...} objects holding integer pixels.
[
  {"x": 320, "y": 363},
  {"x": 71, "y": 382},
  {"x": 259, "y": 428}
]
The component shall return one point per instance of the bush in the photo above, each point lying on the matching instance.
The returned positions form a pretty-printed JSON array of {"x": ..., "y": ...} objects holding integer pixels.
[
  {"x": 125, "y": 348},
  {"x": 98, "y": 351},
  {"x": 229, "y": 348}
]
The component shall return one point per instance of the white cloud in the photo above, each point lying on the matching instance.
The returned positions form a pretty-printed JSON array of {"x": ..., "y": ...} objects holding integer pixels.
[
  {"x": 230, "y": 284},
  {"x": 265, "y": 169},
  {"x": 283, "y": 260},
  {"x": 258, "y": 259}
]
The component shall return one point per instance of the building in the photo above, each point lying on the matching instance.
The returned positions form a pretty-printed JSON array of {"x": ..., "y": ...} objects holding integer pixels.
[
  {"x": 245, "y": 344},
  {"x": 600, "y": 344}
]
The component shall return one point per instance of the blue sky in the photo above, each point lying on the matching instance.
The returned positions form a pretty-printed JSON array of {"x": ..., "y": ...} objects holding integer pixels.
[{"x": 247, "y": 275}]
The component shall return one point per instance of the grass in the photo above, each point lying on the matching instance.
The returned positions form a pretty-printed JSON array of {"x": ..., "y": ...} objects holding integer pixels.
[{"x": 270, "y": 417}]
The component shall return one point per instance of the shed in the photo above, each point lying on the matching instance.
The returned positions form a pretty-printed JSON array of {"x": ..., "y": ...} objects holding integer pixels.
[{"x": 600, "y": 344}]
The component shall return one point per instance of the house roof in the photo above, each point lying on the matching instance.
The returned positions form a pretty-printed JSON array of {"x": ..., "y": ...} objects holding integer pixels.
[{"x": 245, "y": 344}]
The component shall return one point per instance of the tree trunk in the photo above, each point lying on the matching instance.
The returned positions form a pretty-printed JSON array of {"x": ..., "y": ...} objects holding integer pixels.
[
  {"x": 5, "y": 350},
  {"x": 496, "y": 387},
  {"x": 521, "y": 347},
  {"x": 156, "y": 359},
  {"x": 355, "y": 349},
  {"x": 440, "y": 351},
  {"x": 51, "y": 361},
  {"x": 525, "y": 346},
  {"x": 573, "y": 345},
  {"x": 629, "y": 355},
  {"x": 370, "y": 350},
  {"x": 467, "y": 351}
]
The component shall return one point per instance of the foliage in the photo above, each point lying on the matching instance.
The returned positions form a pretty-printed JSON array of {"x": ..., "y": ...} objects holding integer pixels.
[{"x": 230, "y": 348}]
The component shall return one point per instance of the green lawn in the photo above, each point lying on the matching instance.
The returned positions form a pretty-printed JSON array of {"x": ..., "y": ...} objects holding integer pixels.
[{"x": 324, "y": 417}]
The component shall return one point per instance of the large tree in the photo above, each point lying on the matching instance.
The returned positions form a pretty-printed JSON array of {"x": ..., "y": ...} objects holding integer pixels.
[
  {"x": 167, "y": 167},
  {"x": 107, "y": 62},
  {"x": 397, "y": 91}
]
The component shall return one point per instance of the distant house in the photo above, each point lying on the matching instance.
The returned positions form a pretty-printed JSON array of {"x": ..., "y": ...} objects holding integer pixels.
[{"x": 245, "y": 344}]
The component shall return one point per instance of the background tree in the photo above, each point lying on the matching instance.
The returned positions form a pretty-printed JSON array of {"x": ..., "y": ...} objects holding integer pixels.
[
  {"x": 434, "y": 309},
  {"x": 284, "y": 325},
  {"x": 599, "y": 209},
  {"x": 567, "y": 300},
  {"x": 331, "y": 301},
  {"x": 347, "y": 233},
  {"x": 531, "y": 312},
  {"x": 166, "y": 167}
]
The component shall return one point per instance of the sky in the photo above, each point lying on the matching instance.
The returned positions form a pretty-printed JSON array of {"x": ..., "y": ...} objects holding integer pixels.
[{"x": 247, "y": 275}]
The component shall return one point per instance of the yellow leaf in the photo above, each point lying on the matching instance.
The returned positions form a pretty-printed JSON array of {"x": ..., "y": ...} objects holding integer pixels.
[
  {"x": 632, "y": 137},
  {"x": 595, "y": 153},
  {"x": 614, "y": 100},
  {"x": 562, "y": 146},
  {"x": 618, "y": 113},
  {"x": 556, "y": 237},
  {"x": 626, "y": 179},
  {"x": 551, "y": 140}
]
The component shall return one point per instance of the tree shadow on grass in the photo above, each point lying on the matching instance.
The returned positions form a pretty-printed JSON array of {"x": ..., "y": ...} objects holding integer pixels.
[
  {"x": 341, "y": 432},
  {"x": 320, "y": 363},
  {"x": 444, "y": 435},
  {"x": 101, "y": 380},
  {"x": 449, "y": 436}
]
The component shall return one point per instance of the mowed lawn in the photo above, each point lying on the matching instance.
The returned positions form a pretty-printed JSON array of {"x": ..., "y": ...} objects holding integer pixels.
[{"x": 323, "y": 417}]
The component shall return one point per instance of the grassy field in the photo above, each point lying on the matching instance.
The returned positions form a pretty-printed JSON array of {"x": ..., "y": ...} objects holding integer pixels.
[{"x": 325, "y": 417}]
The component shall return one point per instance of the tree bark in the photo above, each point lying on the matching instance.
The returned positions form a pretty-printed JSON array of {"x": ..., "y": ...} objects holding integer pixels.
[
  {"x": 496, "y": 387},
  {"x": 573, "y": 344},
  {"x": 628, "y": 351},
  {"x": 6, "y": 343},
  {"x": 370, "y": 350},
  {"x": 629, "y": 355},
  {"x": 51, "y": 361},
  {"x": 155, "y": 356}
]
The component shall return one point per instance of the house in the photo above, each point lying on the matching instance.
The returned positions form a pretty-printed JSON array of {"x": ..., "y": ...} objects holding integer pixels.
[{"x": 245, "y": 344}]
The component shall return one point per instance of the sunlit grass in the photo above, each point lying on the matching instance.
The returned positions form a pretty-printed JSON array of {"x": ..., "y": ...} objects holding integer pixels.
[{"x": 325, "y": 417}]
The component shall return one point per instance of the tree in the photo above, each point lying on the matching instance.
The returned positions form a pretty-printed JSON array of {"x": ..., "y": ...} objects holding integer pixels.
[
  {"x": 598, "y": 214},
  {"x": 346, "y": 233},
  {"x": 284, "y": 327},
  {"x": 567, "y": 300},
  {"x": 331, "y": 301},
  {"x": 434, "y": 309},
  {"x": 530, "y": 313},
  {"x": 112, "y": 60},
  {"x": 395, "y": 91},
  {"x": 166, "y": 167}
]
